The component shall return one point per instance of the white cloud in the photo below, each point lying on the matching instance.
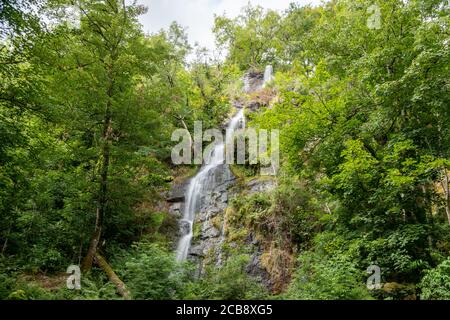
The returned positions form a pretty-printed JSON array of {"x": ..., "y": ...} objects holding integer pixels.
[{"x": 198, "y": 15}]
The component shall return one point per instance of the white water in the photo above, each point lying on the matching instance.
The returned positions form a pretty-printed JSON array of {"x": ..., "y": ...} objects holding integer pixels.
[
  {"x": 203, "y": 182},
  {"x": 268, "y": 75}
]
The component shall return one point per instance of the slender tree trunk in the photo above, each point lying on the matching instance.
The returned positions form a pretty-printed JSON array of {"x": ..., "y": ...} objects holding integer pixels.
[
  {"x": 103, "y": 191},
  {"x": 93, "y": 244},
  {"x": 5, "y": 244},
  {"x": 446, "y": 187},
  {"x": 112, "y": 276}
]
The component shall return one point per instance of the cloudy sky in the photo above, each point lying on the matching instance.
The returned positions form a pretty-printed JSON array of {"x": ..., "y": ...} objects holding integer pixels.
[{"x": 198, "y": 15}]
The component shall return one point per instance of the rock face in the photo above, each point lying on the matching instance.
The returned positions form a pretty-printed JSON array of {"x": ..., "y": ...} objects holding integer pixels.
[
  {"x": 257, "y": 186},
  {"x": 254, "y": 105},
  {"x": 208, "y": 226},
  {"x": 207, "y": 229},
  {"x": 207, "y": 243},
  {"x": 176, "y": 209},
  {"x": 253, "y": 81},
  {"x": 175, "y": 198},
  {"x": 255, "y": 268},
  {"x": 177, "y": 193}
]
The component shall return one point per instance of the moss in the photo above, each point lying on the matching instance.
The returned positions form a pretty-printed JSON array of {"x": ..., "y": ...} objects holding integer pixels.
[
  {"x": 182, "y": 173},
  {"x": 197, "y": 232},
  {"x": 242, "y": 173},
  {"x": 279, "y": 263},
  {"x": 263, "y": 97},
  {"x": 217, "y": 222},
  {"x": 237, "y": 235},
  {"x": 168, "y": 228},
  {"x": 246, "y": 175}
]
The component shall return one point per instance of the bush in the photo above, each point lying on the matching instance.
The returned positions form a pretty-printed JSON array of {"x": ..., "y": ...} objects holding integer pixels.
[
  {"x": 231, "y": 282},
  {"x": 151, "y": 273},
  {"x": 436, "y": 283},
  {"x": 319, "y": 278},
  {"x": 6, "y": 285}
]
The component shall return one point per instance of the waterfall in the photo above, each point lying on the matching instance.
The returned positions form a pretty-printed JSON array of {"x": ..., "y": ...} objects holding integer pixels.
[
  {"x": 203, "y": 182},
  {"x": 268, "y": 75},
  {"x": 247, "y": 86}
]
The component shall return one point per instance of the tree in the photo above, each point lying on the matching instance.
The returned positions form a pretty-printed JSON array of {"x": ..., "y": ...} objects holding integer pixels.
[{"x": 249, "y": 37}]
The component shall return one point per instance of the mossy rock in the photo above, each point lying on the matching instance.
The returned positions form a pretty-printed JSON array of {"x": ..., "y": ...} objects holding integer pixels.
[
  {"x": 237, "y": 235},
  {"x": 217, "y": 222},
  {"x": 197, "y": 232},
  {"x": 399, "y": 291}
]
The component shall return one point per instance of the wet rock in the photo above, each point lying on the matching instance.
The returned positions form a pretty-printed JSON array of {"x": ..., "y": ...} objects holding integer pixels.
[
  {"x": 253, "y": 81},
  {"x": 207, "y": 248},
  {"x": 258, "y": 186},
  {"x": 185, "y": 227},
  {"x": 253, "y": 105},
  {"x": 251, "y": 239},
  {"x": 224, "y": 198},
  {"x": 210, "y": 233},
  {"x": 196, "y": 251},
  {"x": 177, "y": 193},
  {"x": 255, "y": 269},
  {"x": 176, "y": 209}
]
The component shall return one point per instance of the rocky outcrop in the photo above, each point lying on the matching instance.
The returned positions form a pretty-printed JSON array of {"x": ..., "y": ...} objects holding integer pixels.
[
  {"x": 208, "y": 225},
  {"x": 207, "y": 243},
  {"x": 208, "y": 231},
  {"x": 258, "y": 185},
  {"x": 176, "y": 200},
  {"x": 177, "y": 193},
  {"x": 253, "y": 81},
  {"x": 255, "y": 268}
]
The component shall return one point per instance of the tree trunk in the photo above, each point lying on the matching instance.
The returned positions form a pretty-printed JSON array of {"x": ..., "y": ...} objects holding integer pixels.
[
  {"x": 447, "y": 194},
  {"x": 93, "y": 244},
  {"x": 121, "y": 288},
  {"x": 5, "y": 244},
  {"x": 103, "y": 191}
]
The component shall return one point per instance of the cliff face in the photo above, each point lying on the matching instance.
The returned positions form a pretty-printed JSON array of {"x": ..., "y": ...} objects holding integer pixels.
[
  {"x": 217, "y": 233},
  {"x": 253, "y": 81},
  {"x": 209, "y": 231}
]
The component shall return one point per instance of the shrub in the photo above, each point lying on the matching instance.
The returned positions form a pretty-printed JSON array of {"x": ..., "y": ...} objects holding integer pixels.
[
  {"x": 436, "y": 283},
  {"x": 231, "y": 282},
  {"x": 319, "y": 278},
  {"x": 151, "y": 273}
]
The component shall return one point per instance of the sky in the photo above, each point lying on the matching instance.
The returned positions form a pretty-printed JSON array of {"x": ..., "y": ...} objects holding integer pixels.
[{"x": 197, "y": 16}]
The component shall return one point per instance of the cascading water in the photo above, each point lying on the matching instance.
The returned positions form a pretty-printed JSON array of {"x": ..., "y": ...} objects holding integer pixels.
[
  {"x": 203, "y": 182},
  {"x": 268, "y": 75}
]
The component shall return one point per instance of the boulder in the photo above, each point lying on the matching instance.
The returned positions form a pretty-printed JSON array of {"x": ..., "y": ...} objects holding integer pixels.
[
  {"x": 176, "y": 209},
  {"x": 257, "y": 186},
  {"x": 177, "y": 193}
]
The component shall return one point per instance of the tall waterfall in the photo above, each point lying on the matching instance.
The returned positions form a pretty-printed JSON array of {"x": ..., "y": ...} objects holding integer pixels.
[
  {"x": 203, "y": 182},
  {"x": 268, "y": 75}
]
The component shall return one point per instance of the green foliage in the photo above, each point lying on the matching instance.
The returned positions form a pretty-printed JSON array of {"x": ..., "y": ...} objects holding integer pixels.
[
  {"x": 327, "y": 278},
  {"x": 436, "y": 283},
  {"x": 362, "y": 125},
  {"x": 86, "y": 117},
  {"x": 7, "y": 278},
  {"x": 151, "y": 273},
  {"x": 249, "y": 37},
  {"x": 230, "y": 282}
]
